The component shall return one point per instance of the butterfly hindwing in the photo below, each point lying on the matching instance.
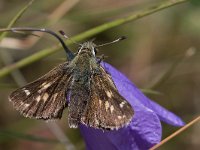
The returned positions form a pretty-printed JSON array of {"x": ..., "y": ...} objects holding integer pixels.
[
  {"x": 44, "y": 98},
  {"x": 106, "y": 108}
]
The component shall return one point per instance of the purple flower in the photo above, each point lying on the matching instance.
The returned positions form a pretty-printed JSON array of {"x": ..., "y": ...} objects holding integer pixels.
[{"x": 145, "y": 129}]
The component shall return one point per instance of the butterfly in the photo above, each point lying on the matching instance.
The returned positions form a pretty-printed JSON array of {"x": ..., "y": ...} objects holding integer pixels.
[{"x": 81, "y": 84}]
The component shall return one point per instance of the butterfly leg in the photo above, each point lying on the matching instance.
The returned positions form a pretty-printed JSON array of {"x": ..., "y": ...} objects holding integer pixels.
[{"x": 100, "y": 58}]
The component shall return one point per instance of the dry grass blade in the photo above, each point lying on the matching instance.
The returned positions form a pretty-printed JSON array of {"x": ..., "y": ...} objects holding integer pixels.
[{"x": 176, "y": 133}]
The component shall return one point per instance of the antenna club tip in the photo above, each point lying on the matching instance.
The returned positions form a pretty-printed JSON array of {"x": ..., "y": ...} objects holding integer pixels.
[
  {"x": 61, "y": 32},
  {"x": 123, "y": 38}
]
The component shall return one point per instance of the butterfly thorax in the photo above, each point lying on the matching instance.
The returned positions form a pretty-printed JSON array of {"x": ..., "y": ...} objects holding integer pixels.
[
  {"x": 87, "y": 47},
  {"x": 85, "y": 62}
]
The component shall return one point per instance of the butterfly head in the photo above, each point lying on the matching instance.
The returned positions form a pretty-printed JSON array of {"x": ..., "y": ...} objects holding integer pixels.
[{"x": 88, "y": 47}]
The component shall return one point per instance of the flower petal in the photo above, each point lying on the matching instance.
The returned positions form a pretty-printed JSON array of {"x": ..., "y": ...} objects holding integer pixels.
[{"x": 130, "y": 91}]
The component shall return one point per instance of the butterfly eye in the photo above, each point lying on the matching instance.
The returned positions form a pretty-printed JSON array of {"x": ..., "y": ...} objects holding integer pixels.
[
  {"x": 95, "y": 51},
  {"x": 79, "y": 49}
]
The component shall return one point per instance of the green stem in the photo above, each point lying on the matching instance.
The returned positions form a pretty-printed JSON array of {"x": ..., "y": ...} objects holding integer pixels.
[{"x": 44, "y": 53}]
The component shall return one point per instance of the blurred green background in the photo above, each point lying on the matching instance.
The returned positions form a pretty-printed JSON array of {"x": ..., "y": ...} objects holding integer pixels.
[{"x": 166, "y": 40}]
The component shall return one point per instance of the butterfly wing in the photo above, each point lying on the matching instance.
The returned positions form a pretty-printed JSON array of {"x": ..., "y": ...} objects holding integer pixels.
[
  {"x": 106, "y": 108},
  {"x": 44, "y": 98}
]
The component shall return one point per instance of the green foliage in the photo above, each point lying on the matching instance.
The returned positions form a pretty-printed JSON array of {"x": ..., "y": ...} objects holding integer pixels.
[{"x": 195, "y": 2}]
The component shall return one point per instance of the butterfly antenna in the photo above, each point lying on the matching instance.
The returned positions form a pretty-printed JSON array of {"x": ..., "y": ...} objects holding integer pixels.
[
  {"x": 70, "y": 55},
  {"x": 115, "y": 41},
  {"x": 65, "y": 36}
]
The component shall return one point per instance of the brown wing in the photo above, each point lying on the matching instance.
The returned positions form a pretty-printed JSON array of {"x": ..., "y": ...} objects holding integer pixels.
[
  {"x": 106, "y": 108},
  {"x": 44, "y": 98}
]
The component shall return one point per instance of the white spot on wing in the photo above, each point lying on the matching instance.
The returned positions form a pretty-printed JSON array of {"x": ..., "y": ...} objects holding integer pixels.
[
  {"x": 109, "y": 94},
  {"x": 45, "y": 96},
  {"x": 26, "y": 105},
  {"x": 44, "y": 86},
  {"x": 72, "y": 126},
  {"x": 27, "y": 92},
  {"x": 122, "y": 104},
  {"x": 96, "y": 121},
  {"x": 119, "y": 117},
  {"x": 100, "y": 103},
  {"x": 38, "y": 98},
  {"x": 111, "y": 108},
  {"x": 54, "y": 96},
  {"x": 107, "y": 105}
]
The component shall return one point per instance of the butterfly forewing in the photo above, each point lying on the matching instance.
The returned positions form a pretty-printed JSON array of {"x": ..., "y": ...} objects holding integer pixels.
[
  {"x": 106, "y": 108},
  {"x": 45, "y": 97}
]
